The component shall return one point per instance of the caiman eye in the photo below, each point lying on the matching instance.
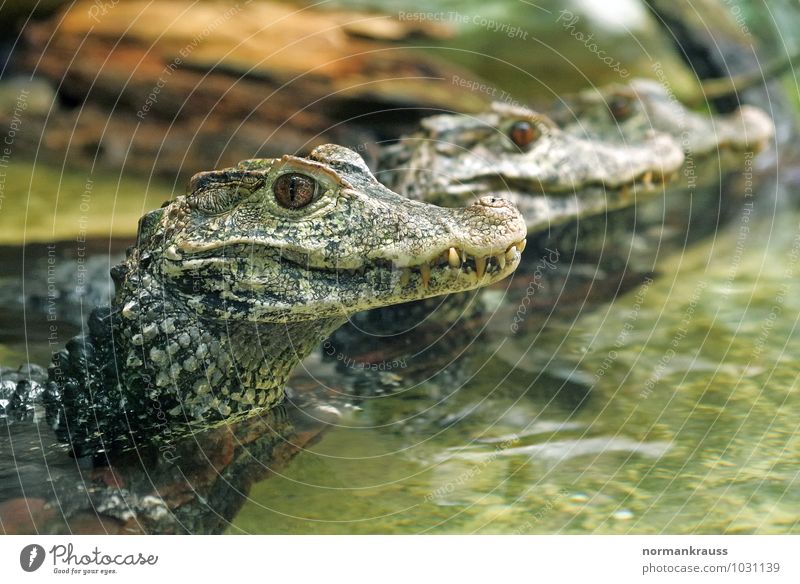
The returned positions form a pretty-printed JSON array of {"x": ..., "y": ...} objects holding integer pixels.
[
  {"x": 294, "y": 191},
  {"x": 523, "y": 133},
  {"x": 620, "y": 107}
]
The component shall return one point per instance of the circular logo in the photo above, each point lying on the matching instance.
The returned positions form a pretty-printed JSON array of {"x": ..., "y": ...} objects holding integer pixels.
[{"x": 31, "y": 557}]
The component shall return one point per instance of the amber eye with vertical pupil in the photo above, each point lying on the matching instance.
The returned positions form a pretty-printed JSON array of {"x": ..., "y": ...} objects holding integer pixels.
[
  {"x": 523, "y": 133},
  {"x": 294, "y": 191},
  {"x": 620, "y": 107}
]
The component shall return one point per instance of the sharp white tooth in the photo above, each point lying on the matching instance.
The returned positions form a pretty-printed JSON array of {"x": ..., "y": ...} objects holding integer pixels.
[
  {"x": 463, "y": 256},
  {"x": 425, "y": 271},
  {"x": 405, "y": 277},
  {"x": 511, "y": 252},
  {"x": 501, "y": 260},
  {"x": 453, "y": 258},
  {"x": 480, "y": 267}
]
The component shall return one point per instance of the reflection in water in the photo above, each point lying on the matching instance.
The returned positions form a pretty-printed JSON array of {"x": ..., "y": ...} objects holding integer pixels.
[{"x": 196, "y": 485}]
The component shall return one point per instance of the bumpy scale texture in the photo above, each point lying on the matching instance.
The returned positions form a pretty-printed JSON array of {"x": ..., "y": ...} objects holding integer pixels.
[{"x": 227, "y": 289}]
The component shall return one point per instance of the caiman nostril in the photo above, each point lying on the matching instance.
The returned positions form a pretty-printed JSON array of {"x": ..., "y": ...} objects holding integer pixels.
[{"x": 490, "y": 201}]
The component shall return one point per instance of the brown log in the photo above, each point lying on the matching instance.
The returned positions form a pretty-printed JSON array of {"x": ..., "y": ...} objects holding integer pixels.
[{"x": 179, "y": 86}]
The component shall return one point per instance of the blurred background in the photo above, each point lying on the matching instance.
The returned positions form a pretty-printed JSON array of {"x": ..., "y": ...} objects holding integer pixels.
[{"x": 132, "y": 90}]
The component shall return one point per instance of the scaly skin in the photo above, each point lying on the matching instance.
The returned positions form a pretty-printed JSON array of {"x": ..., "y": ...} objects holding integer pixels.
[
  {"x": 627, "y": 113},
  {"x": 552, "y": 176},
  {"x": 226, "y": 291},
  {"x": 592, "y": 165}
]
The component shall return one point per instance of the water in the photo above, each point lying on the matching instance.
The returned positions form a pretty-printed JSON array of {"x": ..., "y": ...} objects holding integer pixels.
[
  {"x": 689, "y": 425},
  {"x": 670, "y": 409},
  {"x": 710, "y": 448}
]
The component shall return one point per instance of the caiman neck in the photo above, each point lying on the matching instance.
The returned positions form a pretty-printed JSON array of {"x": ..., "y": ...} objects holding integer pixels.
[
  {"x": 204, "y": 370},
  {"x": 151, "y": 368}
]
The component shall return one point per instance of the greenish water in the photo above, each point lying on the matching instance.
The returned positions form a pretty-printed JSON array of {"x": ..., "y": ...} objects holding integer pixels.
[
  {"x": 41, "y": 203},
  {"x": 671, "y": 409},
  {"x": 689, "y": 426}
]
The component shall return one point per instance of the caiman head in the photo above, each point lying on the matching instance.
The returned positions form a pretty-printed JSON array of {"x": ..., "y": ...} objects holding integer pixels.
[
  {"x": 295, "y": 239},
  {"x": 229, "y": 287},
  {"x": 626, "y": 113},
  {"x": 552, "y": 176}
]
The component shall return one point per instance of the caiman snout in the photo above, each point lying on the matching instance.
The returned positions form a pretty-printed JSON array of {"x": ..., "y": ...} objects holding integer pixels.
[
  {"x": 488, "y": 226},
  {"x": 495, "y": 202},
  {"x": 498, "y": 218}
]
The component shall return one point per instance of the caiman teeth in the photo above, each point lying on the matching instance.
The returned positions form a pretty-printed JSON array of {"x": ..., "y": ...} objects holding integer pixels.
[
  {"x": 458, "y": 261},
  {"x": 480, "y": 267},
  {"x": 647, "y": 181},
  {"x": 172, "y": 253},
  {"x": 501, "y": 260},
  {"x": 453, "y": 258},
  {"x": 425, "y": 272},
  {"x": 509, "y": 255}
]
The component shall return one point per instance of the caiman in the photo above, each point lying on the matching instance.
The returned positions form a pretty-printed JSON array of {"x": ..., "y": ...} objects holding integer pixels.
[
  {"x": 552, "y": 176},
  {"x": 567, "y": 178},
  {"x": 617, "y": 148},
  {"x": 582, "y": 194},
  {"x": 715, "y": 148},
  {"x": 579, "y": 164},
  {"x": 628, "y": 113},
  {"x": 228, "y": 288}
]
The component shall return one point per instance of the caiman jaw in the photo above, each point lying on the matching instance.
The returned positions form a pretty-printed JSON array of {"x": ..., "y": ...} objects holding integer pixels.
[
  {"x": 445, "y": 270},
  {"x": 648, "y": 182},
  {"x": 462, "y": 268},
  {"x": 451, "y": 263}
]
